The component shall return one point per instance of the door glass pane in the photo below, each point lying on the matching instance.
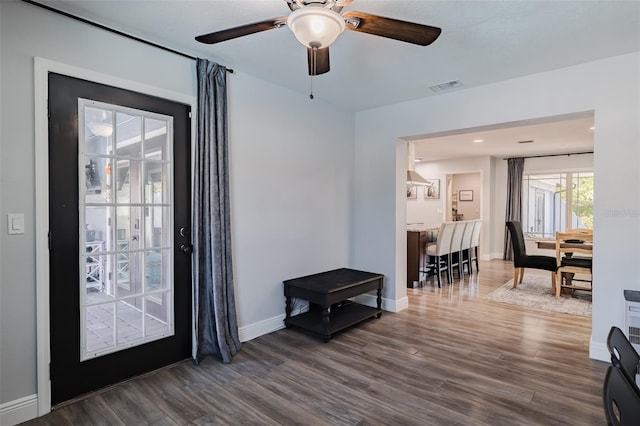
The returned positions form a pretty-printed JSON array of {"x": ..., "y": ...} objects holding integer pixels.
[
  {"x": 98, "y": 130},
  {"x": 126, "y": 261},
  {"x": 129, "y": 283},
  {"x": 129, "y": 320},
  {"x": 122, "y": 182},
  {"x": 153, "y": 189},
  {"x": 157, "y": 311},
  {"x": 155, "y": 145},
  {"x": 100, "y": 328},
  {"x": 122, "y": 263},
  {"x": 156, "y": 227},
  {"x": 123, "y": 226},
  {"x": 155, "y": 269},
  {"x": 96, "y": 261},
  {"x": 128, "y": 135},
  {"x": 128, "y": 181},
  {"x": 96, "y": 180}
]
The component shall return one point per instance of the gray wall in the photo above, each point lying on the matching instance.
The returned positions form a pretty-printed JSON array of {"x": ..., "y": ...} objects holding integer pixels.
[{"x": 291, "y": 179}]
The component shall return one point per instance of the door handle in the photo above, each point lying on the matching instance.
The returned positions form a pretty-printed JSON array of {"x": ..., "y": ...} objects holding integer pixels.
[{"x": 186, "y": 248}]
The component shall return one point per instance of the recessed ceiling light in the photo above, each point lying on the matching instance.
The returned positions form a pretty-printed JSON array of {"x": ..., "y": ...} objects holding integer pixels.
[
  {"x": 478, "y": 140},
  {"x": 592, "y": 128}
]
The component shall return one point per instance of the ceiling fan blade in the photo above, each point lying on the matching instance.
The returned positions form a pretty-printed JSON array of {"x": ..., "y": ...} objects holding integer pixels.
[
  {"x": 391, "y": 28},
  {"x": 242, "y": 30},
  {"x": 318, "y": 60}
]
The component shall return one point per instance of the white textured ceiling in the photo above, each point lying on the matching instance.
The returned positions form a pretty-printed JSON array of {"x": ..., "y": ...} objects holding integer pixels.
[{"x": 481, "y": 42}]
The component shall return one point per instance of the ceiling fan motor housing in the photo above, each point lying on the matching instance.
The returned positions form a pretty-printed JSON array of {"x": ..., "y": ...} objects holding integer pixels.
[
  {"x": 316, "y": 26},
  {"x": 330, "y": 4}
]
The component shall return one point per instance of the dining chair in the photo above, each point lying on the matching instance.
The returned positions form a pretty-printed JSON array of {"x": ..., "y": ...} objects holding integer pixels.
[
  {"x": 621, "y": 401},
  {"x": 465, "y": 248},
  {"x": 522, "y": 260},
  {"x": 455, "y": 252},
  {"x": 438, "y": 253},
  {"x": 567, "y": 244},
  {"x": 623, "y": 354},
  {"x": 475, "y": 241}
]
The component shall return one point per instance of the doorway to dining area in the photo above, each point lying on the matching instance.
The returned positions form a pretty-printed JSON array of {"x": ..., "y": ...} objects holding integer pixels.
[
  {"x": 478, "y": 157},
  {"x": 464, "y": 196},
  {"x": 550, "y": 143}
]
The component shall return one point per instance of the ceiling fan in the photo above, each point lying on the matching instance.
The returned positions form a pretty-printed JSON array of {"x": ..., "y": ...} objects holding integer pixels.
[{"x": 317, "y": 23}]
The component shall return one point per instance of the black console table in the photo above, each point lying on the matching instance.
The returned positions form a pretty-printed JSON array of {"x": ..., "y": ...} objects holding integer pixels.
[{"x": 330, "y": 291}]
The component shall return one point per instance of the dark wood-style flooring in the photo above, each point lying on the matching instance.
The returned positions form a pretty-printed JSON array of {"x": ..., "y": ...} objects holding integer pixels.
[{"x": 452, "y": 358}]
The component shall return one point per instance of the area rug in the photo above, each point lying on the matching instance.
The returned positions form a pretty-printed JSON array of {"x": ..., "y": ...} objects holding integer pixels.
[{"x": 535, "y": 292}]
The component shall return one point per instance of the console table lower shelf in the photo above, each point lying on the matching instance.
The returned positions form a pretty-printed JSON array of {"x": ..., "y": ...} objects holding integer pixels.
[{"x": 328, "y": 293}]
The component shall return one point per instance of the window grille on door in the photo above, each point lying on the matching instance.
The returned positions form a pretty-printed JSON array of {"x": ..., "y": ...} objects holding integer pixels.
[{"x": 126, "y": 204}]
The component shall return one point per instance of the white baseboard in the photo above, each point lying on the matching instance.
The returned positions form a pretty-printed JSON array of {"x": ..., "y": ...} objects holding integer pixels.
[
  {"x": 257, "y": 329},
  {"x": 599, "y": 351},
  {"x": 387, "y": 304},
  {"x": 260, "y": 328},
  {"x": 19, "y": 410},
  {"x": 497, "y": 255}
]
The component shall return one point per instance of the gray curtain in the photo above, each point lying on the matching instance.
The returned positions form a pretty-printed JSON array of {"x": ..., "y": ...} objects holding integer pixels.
[
  {"x": 514, "y": 199},
  {"x": 216, "y": 324}
]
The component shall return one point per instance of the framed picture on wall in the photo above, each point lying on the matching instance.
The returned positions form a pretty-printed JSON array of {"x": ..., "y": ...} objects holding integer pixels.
[
  {"x": 412, "y": 192},
  {"x": 465, "y": 195},
  {"x": 432, "y": 190}
]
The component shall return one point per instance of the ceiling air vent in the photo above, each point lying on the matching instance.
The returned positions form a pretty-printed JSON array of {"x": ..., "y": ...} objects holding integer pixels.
[
  {"x": 525, "y": 141},
  {"x": 446, "y": 86}
]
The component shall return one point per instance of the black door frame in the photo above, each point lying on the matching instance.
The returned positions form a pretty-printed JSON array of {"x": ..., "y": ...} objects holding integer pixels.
[{"x": 42, "y": 68}]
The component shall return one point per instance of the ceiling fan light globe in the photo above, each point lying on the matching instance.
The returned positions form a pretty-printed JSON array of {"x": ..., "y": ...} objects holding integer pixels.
[{"x": 315, "y": 26}]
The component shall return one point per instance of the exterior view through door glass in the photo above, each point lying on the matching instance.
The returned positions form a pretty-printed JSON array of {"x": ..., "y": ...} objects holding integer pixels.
[{"x": 126, "y": 257}]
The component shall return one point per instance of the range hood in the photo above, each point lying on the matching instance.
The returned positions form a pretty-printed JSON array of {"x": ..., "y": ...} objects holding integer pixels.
[{"x": 413, "y": 178}]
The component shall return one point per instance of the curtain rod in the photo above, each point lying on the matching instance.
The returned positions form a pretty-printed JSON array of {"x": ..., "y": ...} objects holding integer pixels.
[
  {"x": 551, "y": 155},
  {"x": 112, "y": 30}
]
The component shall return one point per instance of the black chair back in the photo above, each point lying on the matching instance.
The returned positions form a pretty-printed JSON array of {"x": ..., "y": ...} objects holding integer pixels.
[
  {"x": 621, "y": 402},
  {"x": 517, "y": 240},
  {"x": 623, "y": 354}
]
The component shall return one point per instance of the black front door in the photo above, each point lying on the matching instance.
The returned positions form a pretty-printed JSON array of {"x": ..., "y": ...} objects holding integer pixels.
[{"x": 119, "y": 211}]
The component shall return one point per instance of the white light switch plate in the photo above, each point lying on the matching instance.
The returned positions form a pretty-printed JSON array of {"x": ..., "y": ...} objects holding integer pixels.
[{"x": 15, "y": 223}]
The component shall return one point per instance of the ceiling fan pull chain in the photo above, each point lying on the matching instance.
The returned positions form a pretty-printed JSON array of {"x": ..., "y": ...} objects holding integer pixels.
[{"x": 314, "y": 66}]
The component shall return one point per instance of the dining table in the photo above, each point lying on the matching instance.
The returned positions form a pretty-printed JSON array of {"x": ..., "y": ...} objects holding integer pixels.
[{"x": 551, "y": 245}]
